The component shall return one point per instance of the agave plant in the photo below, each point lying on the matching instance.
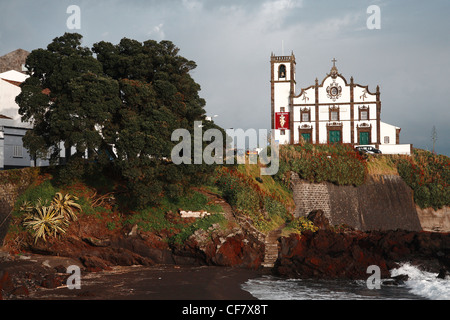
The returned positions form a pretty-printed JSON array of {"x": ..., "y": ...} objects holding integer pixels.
[
  {"x": 46, "y": 221},
  {"x": 66, "y": 205}
]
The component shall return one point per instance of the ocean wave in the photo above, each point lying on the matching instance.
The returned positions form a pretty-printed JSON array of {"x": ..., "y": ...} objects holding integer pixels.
[
  {"x": 272, "y": 288},
  {"x": 423, "y": 283}
]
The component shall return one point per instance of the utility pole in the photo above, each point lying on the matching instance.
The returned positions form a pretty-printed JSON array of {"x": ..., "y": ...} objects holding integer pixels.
[{"x": 434, "y": 137}]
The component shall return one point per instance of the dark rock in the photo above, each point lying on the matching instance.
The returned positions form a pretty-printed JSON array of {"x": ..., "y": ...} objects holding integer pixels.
[
  {"x": 60, "y": 269},
  {"x": 94, "y": 264},
  {"x": 318, "y": 218},
  {"x": 21, "y": 291},
  {"x": 52, "y": 281},
  {"x": 442, "y": 273},
  {"x": 101, "y": 243},
  {"x": 400, "y": 279}
]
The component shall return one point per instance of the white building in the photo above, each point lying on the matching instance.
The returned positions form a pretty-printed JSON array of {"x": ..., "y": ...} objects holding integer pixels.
[
  {"x": 12, "y": 129},
  {"x": 332, "y": 111}
]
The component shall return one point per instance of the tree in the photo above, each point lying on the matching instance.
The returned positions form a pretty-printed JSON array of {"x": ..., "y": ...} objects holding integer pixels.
[
  {"x": 119, "y": 107},
  {"x": 65, "y": 98}
]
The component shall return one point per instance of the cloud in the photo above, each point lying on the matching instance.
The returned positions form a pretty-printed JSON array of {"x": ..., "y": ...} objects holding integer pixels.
[
  {"x": 192, "y": 5},
  {"x": 158, "y": 32}
]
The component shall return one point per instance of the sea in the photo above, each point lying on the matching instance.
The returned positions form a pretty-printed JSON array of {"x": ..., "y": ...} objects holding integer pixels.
[{"x": 421, "y": 285}]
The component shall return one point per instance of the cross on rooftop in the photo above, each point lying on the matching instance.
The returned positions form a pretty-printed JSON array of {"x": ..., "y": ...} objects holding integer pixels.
[{"x": 334, "y": 62}]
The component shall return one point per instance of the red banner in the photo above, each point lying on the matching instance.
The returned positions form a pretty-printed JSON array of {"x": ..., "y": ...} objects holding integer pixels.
[{"x": 282, "y": 120}]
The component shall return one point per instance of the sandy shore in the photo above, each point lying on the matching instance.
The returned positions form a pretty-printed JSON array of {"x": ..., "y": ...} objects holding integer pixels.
[{"x": 164, "y": 282}]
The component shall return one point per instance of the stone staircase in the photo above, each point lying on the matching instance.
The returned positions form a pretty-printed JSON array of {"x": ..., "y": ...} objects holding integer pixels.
[{"x": 271, "y": 248}]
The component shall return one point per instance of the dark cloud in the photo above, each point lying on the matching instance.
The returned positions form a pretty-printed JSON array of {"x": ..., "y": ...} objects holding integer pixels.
[{"x": 231, "y": 42}]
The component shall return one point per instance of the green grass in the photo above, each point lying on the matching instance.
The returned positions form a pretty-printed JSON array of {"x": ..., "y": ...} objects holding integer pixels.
[
  {"x": 44, "y": 191},
  {"x": 204, "y": 223},
  {"x": 193, "y": 202},
  {"x": 153, "y": 219}
]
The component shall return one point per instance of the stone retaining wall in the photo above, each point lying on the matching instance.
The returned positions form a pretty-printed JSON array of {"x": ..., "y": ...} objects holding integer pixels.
[
  {"x": 382, "y": 203},
  {"x": 12, "y": 183}
]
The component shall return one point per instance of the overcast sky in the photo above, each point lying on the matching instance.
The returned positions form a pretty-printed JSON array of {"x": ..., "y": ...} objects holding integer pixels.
[{"x": 231, "y": 41}]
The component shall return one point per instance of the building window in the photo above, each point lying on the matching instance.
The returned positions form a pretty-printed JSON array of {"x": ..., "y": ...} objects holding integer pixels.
[
  {"x": 282, "y": 132},
  {"x": 305, "y": 115},
  {"x": 17, "y": 152},
  {"x": 363, "y": 113},
  {"x": 334, "y": 113},
  {"x": 282, "y": 71},
  {"x": 386, "y": 139},
  {"x": 334, "y": 116}
]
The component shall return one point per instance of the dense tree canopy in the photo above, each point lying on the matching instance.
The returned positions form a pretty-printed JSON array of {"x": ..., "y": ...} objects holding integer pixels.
[{"x": 117, "y": 104}]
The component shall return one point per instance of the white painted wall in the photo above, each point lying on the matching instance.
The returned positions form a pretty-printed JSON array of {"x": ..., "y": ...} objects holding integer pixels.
[
  {"x": 395, "y": 148},
  {"x": 387, "y": 130}
]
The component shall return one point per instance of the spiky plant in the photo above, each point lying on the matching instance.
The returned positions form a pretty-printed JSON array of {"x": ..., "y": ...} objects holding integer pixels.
[
  {"x": 66, "y": 205},
  {"x": 26, "y": 207},
  {"x": 45, "y": 221}
]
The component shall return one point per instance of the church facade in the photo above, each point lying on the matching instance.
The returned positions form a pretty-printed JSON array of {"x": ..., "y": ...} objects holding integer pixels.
[{"x": 335, "y": 110}]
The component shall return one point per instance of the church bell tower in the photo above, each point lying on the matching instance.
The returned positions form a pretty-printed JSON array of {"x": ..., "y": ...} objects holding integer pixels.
[{"x": 282, "y": 91}]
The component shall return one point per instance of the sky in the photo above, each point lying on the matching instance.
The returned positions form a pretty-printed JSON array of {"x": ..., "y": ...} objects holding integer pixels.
[{"x": 231, "y": 41}]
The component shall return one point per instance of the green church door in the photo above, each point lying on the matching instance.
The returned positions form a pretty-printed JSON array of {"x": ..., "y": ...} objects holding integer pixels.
[
  {"x": 306, "y": 137},
  {"x": 335, "y": 136},
  {"x": 363, "y": 138}
]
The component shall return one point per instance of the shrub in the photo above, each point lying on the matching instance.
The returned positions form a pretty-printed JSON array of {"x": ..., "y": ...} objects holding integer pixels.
[
  {"x": 66, "y": 205},
  {"x": 45, "y": 221},
  {"x": 337, "y": 163},
  {"x": 49, "y": 220},
  {"x": 301, "y": 224},
  {"x": 246, "y": 196},
  {"x": 429, "y": 177}
]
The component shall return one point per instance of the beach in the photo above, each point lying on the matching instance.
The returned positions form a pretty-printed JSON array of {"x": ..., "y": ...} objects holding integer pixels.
[{"x": 163, "y": 282}]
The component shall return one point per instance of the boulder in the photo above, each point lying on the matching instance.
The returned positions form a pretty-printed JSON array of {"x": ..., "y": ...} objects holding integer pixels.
[
  {"x": 318, "y": 218},
  {"x": 94, "y": 264}
]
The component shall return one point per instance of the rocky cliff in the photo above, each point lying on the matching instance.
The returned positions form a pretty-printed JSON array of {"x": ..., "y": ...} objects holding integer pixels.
[{"x": 333, "y": 255}]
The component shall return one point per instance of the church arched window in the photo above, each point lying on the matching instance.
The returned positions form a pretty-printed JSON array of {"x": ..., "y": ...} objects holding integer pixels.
[{"x": 282, "y": 71}]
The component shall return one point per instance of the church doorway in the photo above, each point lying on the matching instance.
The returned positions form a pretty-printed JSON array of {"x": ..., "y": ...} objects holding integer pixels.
[
  {"x": 306, "y": 137},
  {"x": 335, "y": 136},
  {"x": 364, "y": 138}
]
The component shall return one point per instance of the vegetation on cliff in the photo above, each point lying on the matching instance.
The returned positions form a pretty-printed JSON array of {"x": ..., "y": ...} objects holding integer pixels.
[
  {"x": 37, "y": 215},
  {"x": 259, "y": 198},
  {"x": 428, "y": 175},
  {"x": 335, "y": 163}
]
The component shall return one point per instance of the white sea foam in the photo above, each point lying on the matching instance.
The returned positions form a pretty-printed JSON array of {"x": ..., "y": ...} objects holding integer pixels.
[
  {"x": 271, "y": 288},
  {"x": 420, "y": 285},
  {"x": 424, "y": 284}
]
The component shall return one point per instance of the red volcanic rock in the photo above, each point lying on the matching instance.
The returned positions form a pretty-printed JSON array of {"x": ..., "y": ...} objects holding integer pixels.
[
  {"x": 52, "y": 281},
  {"x": 94, "y": 264},
  {"x": 230, "y": 252},
  {"x": 6, "y": 283},
  {"x": 328, "y": 254},
  {"x": 21, "y": 291}
]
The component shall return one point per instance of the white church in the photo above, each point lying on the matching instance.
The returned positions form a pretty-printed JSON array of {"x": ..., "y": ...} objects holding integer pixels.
[{"x": 334, "y": 110}]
